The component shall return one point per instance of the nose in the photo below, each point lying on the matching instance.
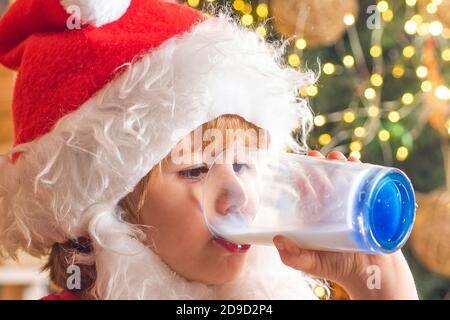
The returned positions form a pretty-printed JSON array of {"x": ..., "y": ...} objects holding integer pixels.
[{"x": 231, "y": 196}]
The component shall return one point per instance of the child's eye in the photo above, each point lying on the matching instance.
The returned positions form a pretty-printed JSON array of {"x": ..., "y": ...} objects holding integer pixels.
[
  {"x": 194, "y": 173},
  {"x": 241, "y": 167}
]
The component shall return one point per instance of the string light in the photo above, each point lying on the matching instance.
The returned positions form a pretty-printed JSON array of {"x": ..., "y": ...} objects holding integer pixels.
[
  {"x": 193, "y": 3},
  {"x": 402, "y": 153},
  {"x": 356, "y": 146},
  {"x": 398, "y": 71},
  {"x": 320, "y": 120},
  {"x": 247, "y": 20},
  {"x": 349, "y": 19},
  {"x": 355, "y": 154},
  {"x": 360, "y": 132},
  {"x": 294, "y": 60},
  {"x": 349, "y": 116},
  {"x": 446, "y": 54},
  {"x": 370, "y": 93},
  {"x": 408, "y": 51},
  {"x": 422, "y": 71},
  {"x": 238, "y": 5},
  {"x": 384, "y": 135},
  {"x": 417, "y": 18},
  {"x": 436, "y": 28},
  {"x": 376, "y": 79},
  {"x": 328, "y": 68},
  {"x": 373, "y": 111},
  {"x": 388, "y": 15},
  {"x": 262, "y": 10},
  {"x": 382, "y": 6},
  {"x": 442, "y": 92},
  {"x": 410, "y": 27},
  {"x": 324, "y": 139},
  {"x": 376, "y": 51},
  {"x": 423, "y": 29},
  {"x": 426, "y": 86},
  {"x": 247, "y": 8},
  {"x": 411, "y": 3},
  {"x": 348, "y": 61},
  {"x": 300, "y": 43},
  {"x": 408, "y": 98},
  {"x": 394, "y": 116},
  {"x": 262, "y": 31},
  {"x": 312, "y": 90},
  {"x": 431, "y": 8}
]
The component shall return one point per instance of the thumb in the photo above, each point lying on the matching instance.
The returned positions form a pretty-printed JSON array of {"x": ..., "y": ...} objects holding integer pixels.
[{"x": 298, "y": 258}]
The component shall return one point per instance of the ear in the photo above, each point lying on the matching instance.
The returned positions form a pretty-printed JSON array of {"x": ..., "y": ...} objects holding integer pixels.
[{"x": 97, "y": 12}]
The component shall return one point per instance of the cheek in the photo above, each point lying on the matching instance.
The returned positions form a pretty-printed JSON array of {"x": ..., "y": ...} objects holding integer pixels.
[{"x": 173, "y": 211}]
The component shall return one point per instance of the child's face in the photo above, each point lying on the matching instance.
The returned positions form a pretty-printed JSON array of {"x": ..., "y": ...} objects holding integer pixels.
[{"x": 178, "y": 232}]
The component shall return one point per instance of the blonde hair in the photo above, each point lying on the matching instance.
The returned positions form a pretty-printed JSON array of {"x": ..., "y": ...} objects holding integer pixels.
[{"x": 61, "y": 254}]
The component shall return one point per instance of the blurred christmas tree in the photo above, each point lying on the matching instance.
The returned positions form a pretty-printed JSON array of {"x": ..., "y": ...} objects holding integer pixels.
[{"x": 383, "y": 96}]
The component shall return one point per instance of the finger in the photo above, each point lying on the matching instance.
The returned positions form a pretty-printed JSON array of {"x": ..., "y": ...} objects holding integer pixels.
[
  {"x": 315, "y": 153},
  {"x": 336, "y": 155},
  {"x": 294, "y": 256}
]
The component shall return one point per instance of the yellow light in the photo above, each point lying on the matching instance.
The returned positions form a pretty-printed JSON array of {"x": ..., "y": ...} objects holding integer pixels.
[
  {"x": 436, "y": 28},
  {"x": 410, "y": 27},
  {"x": 247, "y": 8},
  {"x": 300, "y": 43},
  {"x": 328, "y": 68},
  {"x": 417, "y": 18},
  {"x": 320, "y": 120},
  {"x": 320, "y": 292},
  {"x": 423, "y": 29},
  {"x": 355, "y": 154},
  {"x": 402, "y": 153},
  {"x": 442, "y": 92},
  {"x": 238, "y": 5},
  {"x": 360, "y": 132},
  {"x": 376, "y": 51},
  {"x": 394, "y": 116},
  {"x": 384, "y": 135},
  {"x": 447, "y": 124},
  {"x": 262, "y": 10},
  {"x": 398, "y": 71},
  {"x": 408, "y": 51},
  {"x": 262, "y": 31},
  {"x": 247, "y": 20},
  {"x": 437, "y": 2},
  {"x": 376, "y": 79},
  {"x": 193, "y": 3},
  {"x": 324, "y": 139},
  {"x": 382, "y": 6},
  {"x": 370, "y": 93},
  {"x": 411, "y": 3},
  {"x": 422, "y": 71},
  {"x": 349, "y": 19},
  {"x": 373, "y": 111},
  {"x": 356, "y": 146},
  {"x": 388, "y": 15},
  {"x": 408, "y": 98},
  {"x": 348, "y": 61},
  {"x": 431, "y": 8},
  {"x": 426, "y": 86},
  {"x": 294, "y": 59},
  {"x": 312, "y": 90},
  {"x": 349, "y": 116},
  {"x": 446, "y": 54}
]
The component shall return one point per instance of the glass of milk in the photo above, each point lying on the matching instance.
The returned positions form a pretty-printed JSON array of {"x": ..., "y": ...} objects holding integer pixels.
[{"x": 252, "y": 195}]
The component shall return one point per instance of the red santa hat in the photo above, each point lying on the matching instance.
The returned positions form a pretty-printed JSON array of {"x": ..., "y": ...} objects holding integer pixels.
[{"x": 105, "y": 89}]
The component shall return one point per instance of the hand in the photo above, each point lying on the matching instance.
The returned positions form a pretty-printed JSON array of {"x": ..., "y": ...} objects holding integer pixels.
[{"x": 351, "y": 270}]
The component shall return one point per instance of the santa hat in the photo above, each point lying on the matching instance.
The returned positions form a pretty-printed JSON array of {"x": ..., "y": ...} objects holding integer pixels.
[{"x": 105, "y": 89}]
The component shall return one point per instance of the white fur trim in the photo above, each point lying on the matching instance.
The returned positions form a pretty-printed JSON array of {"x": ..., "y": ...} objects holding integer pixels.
[
  {"x": 97, "y": 12},
  {"x": 67, "y": 183}
]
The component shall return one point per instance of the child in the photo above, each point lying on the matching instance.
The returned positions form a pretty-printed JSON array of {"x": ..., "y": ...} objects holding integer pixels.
[{"x": 106, "y": 94}]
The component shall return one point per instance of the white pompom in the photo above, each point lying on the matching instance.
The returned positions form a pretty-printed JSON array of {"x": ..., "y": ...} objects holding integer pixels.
[{"x": 97, "y": 12}]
